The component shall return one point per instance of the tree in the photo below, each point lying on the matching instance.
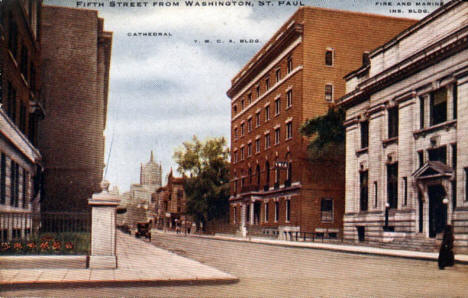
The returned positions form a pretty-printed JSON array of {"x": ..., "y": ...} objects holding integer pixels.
[
  {"x": 328, "y": 135},
  {"x": 206, "y": 166}
]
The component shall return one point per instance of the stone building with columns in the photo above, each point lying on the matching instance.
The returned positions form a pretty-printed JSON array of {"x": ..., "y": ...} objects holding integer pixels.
[
  {"x": 407, "y": 136},
  {"x": 296, "y": 75}
]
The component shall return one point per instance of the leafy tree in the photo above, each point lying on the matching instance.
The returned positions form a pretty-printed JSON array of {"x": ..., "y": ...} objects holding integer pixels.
[
  {"x": 206, "y": 166},
  {"x": 328, "y": 135}
]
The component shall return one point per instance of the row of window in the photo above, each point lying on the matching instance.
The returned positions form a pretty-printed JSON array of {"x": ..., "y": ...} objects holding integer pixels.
[
  {"x": 257, "y": 176},
  {"x": 267, "y": 116},
  {"x": 267, "y": 141},
  {"x": 14, "y": 192},
  {"x": 433, "y": 154},
  {"x": 244, "y": 102},
  {"x": 436, "y": 103},
  {"x": 326, "y": 211}
]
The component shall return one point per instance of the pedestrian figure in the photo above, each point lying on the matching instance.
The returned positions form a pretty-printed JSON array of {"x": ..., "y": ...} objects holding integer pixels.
[{"x": 446, "y": 257}]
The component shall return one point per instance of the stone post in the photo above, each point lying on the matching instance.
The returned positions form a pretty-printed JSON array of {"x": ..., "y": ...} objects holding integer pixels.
[{"x": 103, "y": 238}]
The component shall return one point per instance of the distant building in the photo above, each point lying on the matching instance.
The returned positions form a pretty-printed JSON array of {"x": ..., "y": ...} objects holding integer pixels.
[
  {"x": 407, "y": 136},
  {"x": 139, "y": 201},
  {"x": 171, "y": 204},
  {"x": 21, "y": 108},
  {"x": 296, "y": 76},
  {"x": 75, "y": 65}
]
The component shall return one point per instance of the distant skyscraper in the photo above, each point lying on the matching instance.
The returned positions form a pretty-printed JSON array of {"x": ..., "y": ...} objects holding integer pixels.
[{"x": 151, "y": 173}]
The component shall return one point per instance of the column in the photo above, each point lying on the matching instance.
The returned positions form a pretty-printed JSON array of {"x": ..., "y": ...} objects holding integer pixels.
[{"x": 251, "y": 213}]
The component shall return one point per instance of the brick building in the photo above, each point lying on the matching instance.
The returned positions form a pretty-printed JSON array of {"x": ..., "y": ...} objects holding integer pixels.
[
  {"x": 297, "y": 75},
  {"x": 171, "y": 204},
  {"x": 21, "y": 108},
  {"x": 410, "y": 178},
  {"x": 75, "y": 75}
]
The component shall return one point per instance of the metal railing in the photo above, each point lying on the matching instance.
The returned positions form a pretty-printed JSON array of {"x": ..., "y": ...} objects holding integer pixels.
[{"x": 313, "y": 236}]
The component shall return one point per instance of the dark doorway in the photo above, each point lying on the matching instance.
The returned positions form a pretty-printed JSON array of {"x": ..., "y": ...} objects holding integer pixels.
[
  {"x": 257, "y": 208},
  {"x": 437, "y": 210},
  {"x": 361, "y": 233}
]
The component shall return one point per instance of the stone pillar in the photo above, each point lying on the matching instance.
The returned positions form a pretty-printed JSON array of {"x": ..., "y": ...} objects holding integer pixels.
[
  {"x": 243, "y": 219},
  {"x": 251, "y": 213},
  {"x": 103, "y": 240}
]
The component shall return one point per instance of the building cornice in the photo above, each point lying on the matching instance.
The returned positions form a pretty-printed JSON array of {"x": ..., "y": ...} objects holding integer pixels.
[{"x": 432, "y": 54}]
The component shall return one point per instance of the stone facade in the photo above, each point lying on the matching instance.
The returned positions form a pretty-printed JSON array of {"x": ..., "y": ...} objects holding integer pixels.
[
  {"x": 75, "y": 75},
  {"x": 296, "y": 76},
  {"x": 407, "y": 134},
  {"x": 21, "y": 107}
]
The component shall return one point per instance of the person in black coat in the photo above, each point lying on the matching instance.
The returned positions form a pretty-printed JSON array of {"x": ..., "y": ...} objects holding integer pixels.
[{"x": 446, "y": 256}]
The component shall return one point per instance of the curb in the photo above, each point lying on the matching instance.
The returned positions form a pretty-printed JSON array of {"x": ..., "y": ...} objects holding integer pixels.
[{"x": 459, "y": 259}]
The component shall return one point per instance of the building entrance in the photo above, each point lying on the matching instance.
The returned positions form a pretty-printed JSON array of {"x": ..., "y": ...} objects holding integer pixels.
[
  {"x": 257, "y": 207},
  {"x": 437, "y": 210}
]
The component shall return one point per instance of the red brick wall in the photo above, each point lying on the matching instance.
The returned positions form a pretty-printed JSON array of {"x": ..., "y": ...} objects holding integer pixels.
[{"x": 71, "y": 137}]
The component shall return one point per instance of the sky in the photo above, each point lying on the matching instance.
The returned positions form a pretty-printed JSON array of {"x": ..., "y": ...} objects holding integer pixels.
[{"x": 165, "y": 89}]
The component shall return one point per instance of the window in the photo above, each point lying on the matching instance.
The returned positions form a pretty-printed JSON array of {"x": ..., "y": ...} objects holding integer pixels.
[
  {"x": 267, "y": 173},
  {"x": 405, "y": 191},
  {"x": 455, "y": 100},
  {"x": 235, "y": 133},
  {"x": 24, "y": 62},
  {"x": 257, "y": 91},
  {"x": 290, "y": 64},
  {"x": 288, "y": 130},
  {"x": 326, "y": 210},
  {"x": 329, "y": 92},
  {"x": 267, "y": 83},
  {"x": 278, "y": 75},
  {"x": 242, "y": 105},
  {"x": 364, "y": 134},
  {"x": 234, "y": 108},
  {"x": 421, "y": 111},
  {"x": 14, "y": 184},
  {"x": 277, "y": 136},
  {"x": 277, "y": 106},
  {"x": 242, "y": 153},
  {"x": 376, "y": 194},
  {"x": 267, "y": 141},
  {"x": 11, "y": 102},
  {"x": 421, "y": 158},
  {"x": 393, "y": 122},
  {"x": 249, "y": 125},
  {"x": 267, "y": 113},
  {"x": 234, "y": 214},
  {"x": 249, "y": 149},
  {"x": 250, "y": 176},
  {"x": 289, "y": 172},
  {"x": 3, "y": 179},
  {"x": 257, "y": 170},
  {"x": 364, "y": 190},
  {"x": 242, "y": 129},
  {"x": 277, "y": 206},
  {"x": 266, "y": 211},
  {"x": 22, "y": 117},
  {"x": 438, "y": 154},
  {"x": 438, "y": 110},
  {"x": 329, "y": 57},
  {"x": 392, "y": 185},
  {"x": 13, "y": 36},
  {"x": 289, "y": 98},
  {"x": 257, "y": 119},
  {"x": 234, "y": 157},
  {"x": 257, "y": 145},
  {"x": 249, "y": 98},
  {"x": 288, "y": 210}
]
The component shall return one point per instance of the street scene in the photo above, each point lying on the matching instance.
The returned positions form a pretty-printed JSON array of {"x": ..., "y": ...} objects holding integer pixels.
[{"x": 233, "y": 148}]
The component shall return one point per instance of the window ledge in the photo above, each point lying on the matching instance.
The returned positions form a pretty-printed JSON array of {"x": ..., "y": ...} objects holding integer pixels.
[
  {"x": 362, "y": 151},
  {"x": 287, "y": 108},
  {"x": 424, "y": 131},
  {"x": 390, "y": 141}
]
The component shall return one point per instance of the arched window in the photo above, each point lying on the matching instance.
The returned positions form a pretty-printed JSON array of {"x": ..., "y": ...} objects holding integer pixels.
[{"x": 257, "y": 170}]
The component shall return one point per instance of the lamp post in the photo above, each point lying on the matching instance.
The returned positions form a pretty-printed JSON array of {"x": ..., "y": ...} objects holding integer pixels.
[{"x": 387, "y": 206}]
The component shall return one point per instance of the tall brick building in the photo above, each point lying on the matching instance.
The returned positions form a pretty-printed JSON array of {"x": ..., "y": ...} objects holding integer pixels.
[
  {"x": 75, "y": 76},
  {"x": 296, "y": 76},
  {"x": 20, "y": 110}
]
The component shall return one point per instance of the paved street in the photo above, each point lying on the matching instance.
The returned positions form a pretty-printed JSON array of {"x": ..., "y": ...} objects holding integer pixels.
[{"x": 266, "y": 270}]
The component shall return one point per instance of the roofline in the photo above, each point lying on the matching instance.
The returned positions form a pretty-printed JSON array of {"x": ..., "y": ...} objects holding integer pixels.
[{"x": 265, "y": 48}]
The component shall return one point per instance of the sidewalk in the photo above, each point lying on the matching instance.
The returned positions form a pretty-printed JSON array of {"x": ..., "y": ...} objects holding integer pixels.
[
  {"x": 432, "y": 256},
  {"x": 139, "y": 262}
]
